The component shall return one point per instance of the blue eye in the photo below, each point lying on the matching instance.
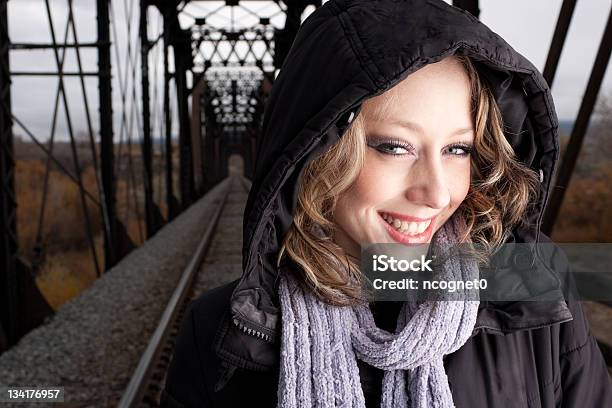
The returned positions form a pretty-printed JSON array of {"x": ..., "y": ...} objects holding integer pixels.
[
  {"x": 465, "y": 150},
  {"x": 392, "y": 149},
  {"x": 390, "y": 146}
]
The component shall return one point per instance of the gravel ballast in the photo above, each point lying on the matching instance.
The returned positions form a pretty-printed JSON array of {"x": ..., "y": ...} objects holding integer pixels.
[{"x": 93, "y": 343}]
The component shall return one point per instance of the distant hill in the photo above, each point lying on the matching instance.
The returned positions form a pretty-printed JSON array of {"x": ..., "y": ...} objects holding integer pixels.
[{"x": 566, "y": 125}]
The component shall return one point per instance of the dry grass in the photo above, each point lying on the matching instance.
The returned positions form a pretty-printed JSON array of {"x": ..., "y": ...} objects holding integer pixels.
[
  {"x": 63, "y": 225},
  {"x": 66, "y": 264},
  {"x": 65, "y": 275},
  {"x": 586, "y": 213}
]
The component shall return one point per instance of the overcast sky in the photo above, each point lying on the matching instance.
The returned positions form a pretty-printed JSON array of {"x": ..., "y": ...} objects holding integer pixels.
[{"x": 526, "y": 25}]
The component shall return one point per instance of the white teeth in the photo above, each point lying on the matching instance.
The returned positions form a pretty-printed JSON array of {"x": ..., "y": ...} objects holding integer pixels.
[
  {"x": 423, "y": 226},
  {"x": 410, "y": 228}
]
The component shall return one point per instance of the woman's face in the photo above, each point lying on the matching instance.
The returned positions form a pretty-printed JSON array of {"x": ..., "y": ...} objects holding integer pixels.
[{"x": 417, "y": 166}]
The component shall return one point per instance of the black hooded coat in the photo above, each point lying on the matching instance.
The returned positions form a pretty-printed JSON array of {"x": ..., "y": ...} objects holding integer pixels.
[{"x": 520, "y": 354}]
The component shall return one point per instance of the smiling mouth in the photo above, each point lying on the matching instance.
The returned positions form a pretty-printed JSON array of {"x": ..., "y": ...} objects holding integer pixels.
[{"x": 406, "y": 229}]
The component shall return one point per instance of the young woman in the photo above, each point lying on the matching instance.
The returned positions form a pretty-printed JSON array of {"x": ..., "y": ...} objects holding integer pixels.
[{"x": 391, "y": 122}]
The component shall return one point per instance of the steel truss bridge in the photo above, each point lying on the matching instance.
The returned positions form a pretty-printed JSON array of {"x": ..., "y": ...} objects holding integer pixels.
[{"x": 180, "y": 88}]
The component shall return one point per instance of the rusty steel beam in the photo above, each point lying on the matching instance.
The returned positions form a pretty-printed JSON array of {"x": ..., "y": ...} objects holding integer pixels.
[
  {"x": 8, "y": 204},
  {"x": 147, "y": 150},
  {"x": 171, "y": 201},
  {"x": 45, "y": 46},
  {"x": 107, "y": 154},
  {"x": 556, "y": 45},
  {"x": 579, "y": 130}
]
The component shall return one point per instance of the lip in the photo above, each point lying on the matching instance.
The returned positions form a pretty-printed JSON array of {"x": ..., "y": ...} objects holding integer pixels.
[
  {"x": 405, "y": 217},
  {"x": 397, "y": 236}
]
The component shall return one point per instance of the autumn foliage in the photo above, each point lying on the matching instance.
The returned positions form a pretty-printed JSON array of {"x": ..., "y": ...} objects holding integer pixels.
[{"x": 51, "y": 224}]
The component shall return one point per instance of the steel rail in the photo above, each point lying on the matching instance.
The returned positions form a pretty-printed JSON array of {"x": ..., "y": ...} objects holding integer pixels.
[{"x": 141, "y": 378}]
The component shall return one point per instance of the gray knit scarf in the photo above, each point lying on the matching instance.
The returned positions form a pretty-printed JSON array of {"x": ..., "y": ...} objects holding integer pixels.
[{"x": 321, "y": 342}]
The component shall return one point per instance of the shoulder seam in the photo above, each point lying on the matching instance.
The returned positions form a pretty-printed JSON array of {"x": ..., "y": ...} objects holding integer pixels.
[{"x": 577, "y": 348}]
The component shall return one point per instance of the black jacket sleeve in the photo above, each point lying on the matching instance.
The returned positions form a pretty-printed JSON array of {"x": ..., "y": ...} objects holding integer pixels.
[
  {"x": 585, "y": 379},
  {"x": 185, "y": 383}
]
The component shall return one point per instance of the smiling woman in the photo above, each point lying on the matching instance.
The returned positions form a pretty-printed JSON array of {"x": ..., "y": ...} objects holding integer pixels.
[
  {"x": 392, "y": 121},
  {"x": 428, "y": 147}
]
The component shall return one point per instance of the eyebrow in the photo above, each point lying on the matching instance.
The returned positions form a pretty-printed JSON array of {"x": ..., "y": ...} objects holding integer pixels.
[{"x": 417, "y": 128}]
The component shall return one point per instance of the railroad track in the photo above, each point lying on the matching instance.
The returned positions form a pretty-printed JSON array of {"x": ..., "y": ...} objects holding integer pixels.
[{"x": 217, "y": 260}]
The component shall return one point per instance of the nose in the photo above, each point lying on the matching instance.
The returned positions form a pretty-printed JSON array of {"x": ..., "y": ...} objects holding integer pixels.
[{"x": 427, "y": 184}]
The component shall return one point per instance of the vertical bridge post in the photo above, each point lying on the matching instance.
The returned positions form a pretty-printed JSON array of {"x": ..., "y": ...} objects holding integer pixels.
[
  {"x": 8, "y": 205},
  {"x": 106, "y": 134}
]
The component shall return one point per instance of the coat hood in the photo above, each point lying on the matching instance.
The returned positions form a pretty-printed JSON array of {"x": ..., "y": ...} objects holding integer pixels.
[{"x": 347, "y": 51}]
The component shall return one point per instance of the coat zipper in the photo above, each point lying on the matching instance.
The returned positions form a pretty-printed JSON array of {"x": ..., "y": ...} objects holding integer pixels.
[
  {"x": 251, "y": 331},
  {"x": 244, "y": 325}
]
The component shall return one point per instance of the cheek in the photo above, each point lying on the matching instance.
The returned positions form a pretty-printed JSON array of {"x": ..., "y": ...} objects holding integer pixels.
[
  {"x": 377, "y": 183},
  {"x": 459, "y": 182},
  {"x": 372, "y": 187}
]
